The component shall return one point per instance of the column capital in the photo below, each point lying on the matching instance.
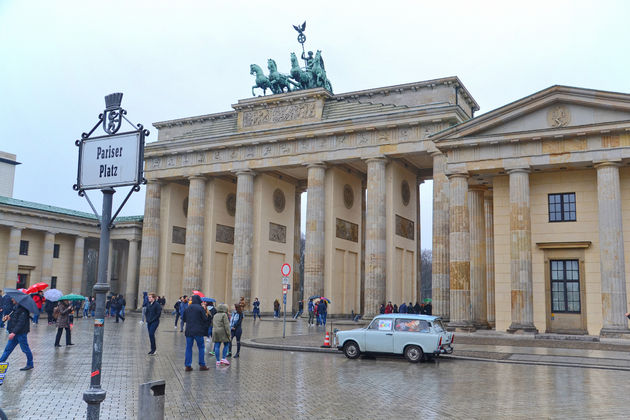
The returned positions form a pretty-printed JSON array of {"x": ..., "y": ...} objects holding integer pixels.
[
  {"x": 458, "y": 174},
  {"x": 315, "y": 165},
  {"x": 380, "y": 158},
  {"x": 201, "y": 177},
  {"x": 607, "y": 162},
  {"x": 477, "y": 187},
  {"x": 136, "y": 240},
  {"x": 519, "y": 169},
  {"x": 155, "y": 181},
  {"x": 435, "y": 153},
  {"x": 244, "y": 171}
]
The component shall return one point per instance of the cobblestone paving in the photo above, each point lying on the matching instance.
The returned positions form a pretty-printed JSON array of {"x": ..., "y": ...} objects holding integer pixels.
[{"x": 282, "y": 384}]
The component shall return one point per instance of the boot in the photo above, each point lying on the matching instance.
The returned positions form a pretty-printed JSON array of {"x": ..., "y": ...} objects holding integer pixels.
[{"x": 238, "y": 349}]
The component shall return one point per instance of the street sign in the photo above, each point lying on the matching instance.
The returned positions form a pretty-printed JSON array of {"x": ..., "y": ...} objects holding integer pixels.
[
  {"x": 286, "y": 269},
  {"x": 286, "y": 280},
  {"x": 111, "y": 161},
  {"x": 284, "y": 298}
]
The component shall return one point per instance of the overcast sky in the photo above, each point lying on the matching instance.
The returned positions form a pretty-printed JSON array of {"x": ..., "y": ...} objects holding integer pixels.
[{"x": 176, "y": 59}]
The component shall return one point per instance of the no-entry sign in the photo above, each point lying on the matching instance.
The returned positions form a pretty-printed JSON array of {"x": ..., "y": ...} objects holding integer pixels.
[{"x": 285, "y": 270}]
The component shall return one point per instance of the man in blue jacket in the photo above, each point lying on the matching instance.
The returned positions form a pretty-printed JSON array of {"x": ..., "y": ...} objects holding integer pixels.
[
  {"x": 196, "y": 319},
  {"x": 182, "y": 309},
  {"x": 18, "y": 327}
]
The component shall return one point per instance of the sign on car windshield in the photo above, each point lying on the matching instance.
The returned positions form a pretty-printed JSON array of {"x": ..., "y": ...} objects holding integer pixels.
[{"x": 384, "y": 324}]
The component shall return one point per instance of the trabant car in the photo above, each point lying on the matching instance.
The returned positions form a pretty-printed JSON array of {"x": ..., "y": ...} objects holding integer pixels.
[{"x": 412, "y": 335}]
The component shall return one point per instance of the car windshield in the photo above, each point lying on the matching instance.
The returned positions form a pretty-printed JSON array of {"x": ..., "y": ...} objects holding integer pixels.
[{"x": 437, "y": 324}]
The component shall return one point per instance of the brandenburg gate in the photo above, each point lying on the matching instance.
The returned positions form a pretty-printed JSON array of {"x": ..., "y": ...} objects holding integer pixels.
[{"x": 223, "y": 204}]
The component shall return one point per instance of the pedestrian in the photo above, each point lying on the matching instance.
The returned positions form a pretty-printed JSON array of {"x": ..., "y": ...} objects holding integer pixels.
[
  {"x": 176, "y": 311},
  {"x": 395, "y": 309},
  {"x": 211, "y": 313},
  {"x": 381, "y": 309},
  {"x": 242, "y": 303},
  {"x": 123, "y": 303},
  {"x": 322, "y": 311},
  {"x": 63, "y": 311},
  {"x": 316, "y": 313},
  {"x": 49, "y": 307},
  {"x": 145, "y": 303},
  {"x": 182, "y": 309},
  {"x": 18, "y": 326},
  {"x": 300, "y": 309},
  {"x": 196, "y": 319},
  {"x": 108, "y": 305},
  {"x": 39, "y": 302},
  {"x": 276, "y": 308},
  {"x": 1, "y": 311},
  {"x": 92, "y": 305},
  {"x": 428, "y": 308},
  {"x": 311, "y": 312},
  {"x": 117, "y": 307},
  {"x": 7, "y": 306},
  {"x": 389, "y": 308},
  {"x": 235, "y": 329},
  {"x": 221, "y": 334},
  {"x": 256, "y": 310},
  {"x": 153, "y": 312},
  {"x": 402, "y": 308},
  {"x": 86, "y": 308},
  {"x": 416, "y": 308}
]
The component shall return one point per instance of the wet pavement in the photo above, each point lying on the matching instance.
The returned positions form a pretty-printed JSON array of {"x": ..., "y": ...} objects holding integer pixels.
[{"x": 266, "y": 383}]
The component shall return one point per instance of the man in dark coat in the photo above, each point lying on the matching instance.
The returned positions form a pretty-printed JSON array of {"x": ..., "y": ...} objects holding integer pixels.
[
  {"x": 196, "y": 320},
  {"x": 18, "y": 327},
  {"x": 153, "y": 312},
  {"x": 117, "y": 305}
]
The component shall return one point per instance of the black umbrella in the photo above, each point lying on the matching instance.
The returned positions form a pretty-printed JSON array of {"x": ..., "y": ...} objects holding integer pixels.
[{"x": 22, "y": 299}]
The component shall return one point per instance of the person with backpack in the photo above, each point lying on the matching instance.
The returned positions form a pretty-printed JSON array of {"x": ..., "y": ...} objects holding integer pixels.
[
  {"x": 221, "y": 334},
  {"x": 62, "y": 315},
  {"x": 18, "y": 327}
]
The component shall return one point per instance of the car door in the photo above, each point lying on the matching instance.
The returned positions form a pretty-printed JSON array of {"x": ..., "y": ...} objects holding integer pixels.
[
  {"x": 412, "y": 331},
  {"x": 379, "y": 336}
]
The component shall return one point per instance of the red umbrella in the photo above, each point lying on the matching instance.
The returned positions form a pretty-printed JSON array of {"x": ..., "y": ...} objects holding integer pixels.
[
  {"x": 198, "y": 293},
  {"x": 36, "y": 288}
]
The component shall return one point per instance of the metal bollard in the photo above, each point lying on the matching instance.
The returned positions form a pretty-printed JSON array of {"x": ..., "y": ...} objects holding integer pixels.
[{"x": 151, "y": 400}]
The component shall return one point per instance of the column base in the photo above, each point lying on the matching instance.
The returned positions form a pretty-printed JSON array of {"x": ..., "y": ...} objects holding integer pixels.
[
  {"x": 481, "y": 325},
  {"x": 461, "y": 326},
  {"x": 522, "y": 329},
  {"x": 615, "y": 332}
]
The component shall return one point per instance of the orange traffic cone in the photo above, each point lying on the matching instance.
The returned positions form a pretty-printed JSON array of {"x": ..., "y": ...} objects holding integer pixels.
[{"x": 327, "y": 340}]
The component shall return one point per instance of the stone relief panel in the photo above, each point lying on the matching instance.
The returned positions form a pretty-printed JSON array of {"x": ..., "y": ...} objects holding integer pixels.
[
  {"x": 347, "y": 230},
  {"x": 225, "y": 234},
  {"x": 348, "y": 196},
  {"x": 279, "y": 114},
  {"x": 155, "y": 163},
  {"x": 179, "y": 235},
  {"x": 404, "y": 227},
  {"x": 279, "y": 200},
  {"x": 230, "y": 204},
  {"x": 559, "y": 116},
  {"x": 277, "y": 233},
  {"x": 171, "y": 161},
  {"x": 405, "y": 192}
]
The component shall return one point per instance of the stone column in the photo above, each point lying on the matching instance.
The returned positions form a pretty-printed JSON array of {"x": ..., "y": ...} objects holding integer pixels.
[
  {"x": 12, "y": 257},
  {"x": 243, "y": 236},
  {"x": 459, "y": 251},
  {"x": 440, "y": 265},
  {"x": 363, "y": 213},
  {"x": 297, "y": 242},
  {"x": 315, "y": 216},
  {"x": 489, "y": 216},
  {"x": 131, "y": 288},
  {"x": 611, "y": 251},
  {"x": 419, "y": 296},
  {"x": 47, "y": 257},
  {"x": 521, "y": 253},
  {"x": 478, "y": 293},
  {"x": 150, "y": 251},
  {"x": 375, "y": 237},
  {"x": 193, "y": 251},
  {"x": 77, "y": 265}
]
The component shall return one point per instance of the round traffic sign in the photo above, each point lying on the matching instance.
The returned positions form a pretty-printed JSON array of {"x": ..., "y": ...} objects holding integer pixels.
[{"x": 286, "y": 269}]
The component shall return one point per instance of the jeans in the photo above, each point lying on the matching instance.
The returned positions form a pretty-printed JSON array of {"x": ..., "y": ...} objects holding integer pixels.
[
  {"x": 298, "y": 314},
  {"x": 92, "y": 313},
  {"x": 311, "y": 317},
  {"x": 152, "y": 327},
  {"x": 68, "y": 336},
  {"x": 176, "y": 318},
  {"x": 85, "y": 312},
  {"x": 236, "y": 333},
  {"x": 122, "y": 311},
  {"x": 256, "y": 312},
  {"x": 217, "y": 350},
  {"x": 36, "y": 317},
  {"x": 276, "y": 313},
  {"x": 11, "y": 344},
  {"x": 200, "y": 346},
  {"x": 119, "y": 315},
  {"x": 144, "y": 313},
  {"x": 210, "y": 331},
  {"x": 323, "y": 321}
]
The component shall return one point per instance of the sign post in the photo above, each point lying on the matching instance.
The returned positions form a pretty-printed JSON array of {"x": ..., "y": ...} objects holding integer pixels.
[
  {"x": 285, "y": 270},
  {"x": 113, "y": 160}
]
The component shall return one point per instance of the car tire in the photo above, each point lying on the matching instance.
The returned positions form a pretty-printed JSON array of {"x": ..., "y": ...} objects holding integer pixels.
[
  {"x": 351, "y": 350},
  {"x": 414, "y": 354}
]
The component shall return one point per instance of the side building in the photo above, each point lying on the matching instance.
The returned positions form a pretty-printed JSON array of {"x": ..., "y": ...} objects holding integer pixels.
[{"x": 43, "y": 243}]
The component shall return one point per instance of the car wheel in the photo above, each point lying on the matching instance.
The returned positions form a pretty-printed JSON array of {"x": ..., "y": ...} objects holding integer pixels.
[
  {"x": 351, "y": 350},
  {"x": 414, "y": 354}
]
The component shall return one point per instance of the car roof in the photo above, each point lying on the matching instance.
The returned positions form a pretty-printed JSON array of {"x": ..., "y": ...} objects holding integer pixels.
[{"x": 409, "y": 316}]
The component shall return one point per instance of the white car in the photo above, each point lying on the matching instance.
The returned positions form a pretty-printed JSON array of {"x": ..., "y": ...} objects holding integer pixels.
[{"x": 412, "y": 335}]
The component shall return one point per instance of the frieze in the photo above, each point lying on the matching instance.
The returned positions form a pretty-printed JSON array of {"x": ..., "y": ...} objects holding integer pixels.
[
  {"x": 179, "y": 235},
  {"x": 279, "y": 114},
  {"x": 277, "y": 233},
  {"x": 347, "y": 230},
  {"x": 225, "y": 234},
  {"x": 404, "y": 227}
]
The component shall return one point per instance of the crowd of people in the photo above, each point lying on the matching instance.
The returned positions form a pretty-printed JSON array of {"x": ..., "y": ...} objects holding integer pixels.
[{"x": 425, "y": 308}]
